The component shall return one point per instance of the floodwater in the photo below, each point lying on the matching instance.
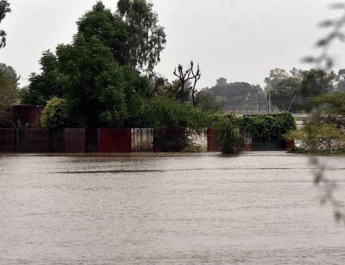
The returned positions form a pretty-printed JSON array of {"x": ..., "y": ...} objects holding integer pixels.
[{"x": 148, "y": 208}]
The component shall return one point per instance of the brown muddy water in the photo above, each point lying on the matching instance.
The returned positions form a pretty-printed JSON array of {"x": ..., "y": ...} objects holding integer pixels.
[{"x": 147, "y": 208}]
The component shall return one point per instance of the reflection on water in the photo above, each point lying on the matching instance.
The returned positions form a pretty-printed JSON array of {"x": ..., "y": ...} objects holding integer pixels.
[{"x": 257, "y": 208}]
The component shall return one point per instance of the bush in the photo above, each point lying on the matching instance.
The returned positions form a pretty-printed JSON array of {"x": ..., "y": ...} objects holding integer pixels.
[
  {"x": 55, "y": 115},
  {"x": 230, "y": 138}
]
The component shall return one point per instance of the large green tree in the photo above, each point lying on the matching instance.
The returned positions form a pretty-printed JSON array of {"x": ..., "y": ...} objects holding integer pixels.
[
  {"x": 146, "y": 39},
  {"x": 98, "y": 90},
  {"x": 132, "y": 33},
  {"x": 101, "y": 84},
  {"x": 4, "y": 8}
]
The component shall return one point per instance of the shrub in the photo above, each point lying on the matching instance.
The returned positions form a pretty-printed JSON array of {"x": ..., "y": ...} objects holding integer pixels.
[
  {"x": 230, "y": 138},
  {"x": 55, "y": 115}
]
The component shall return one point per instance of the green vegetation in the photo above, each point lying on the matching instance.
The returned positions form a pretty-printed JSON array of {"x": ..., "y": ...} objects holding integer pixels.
[
  {"x": 269, "y": 126},
  {"x": 230, "y": 138},
  {"x": 100, "y": 75},
  {"x": 325, "y": 131},
  {"x": 55, "y": 115},
  {"x": 170, "y": 114},
  {"x": 4, "y": 8},
  {"x": 230, "y": 129},
  {"x": 8, "y": 91},
  {"x": 292, "y": 91}
]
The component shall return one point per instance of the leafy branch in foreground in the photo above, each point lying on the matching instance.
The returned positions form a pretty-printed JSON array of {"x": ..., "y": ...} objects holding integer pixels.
[
  {"x": 4, "y": 8},
  {"x": 328, "y": 187},
  {"x": 336, "y": 33}
]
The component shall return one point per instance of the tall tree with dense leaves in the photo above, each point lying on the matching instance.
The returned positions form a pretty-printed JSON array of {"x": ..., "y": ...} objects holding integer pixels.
[
  {"x": 94, "y": 85},
  {"x": 4, "y": 8},
  {"x": 132, "y": 33},
  {"x": 146, "y": 39},
  {"x": 107, "y": 27}
]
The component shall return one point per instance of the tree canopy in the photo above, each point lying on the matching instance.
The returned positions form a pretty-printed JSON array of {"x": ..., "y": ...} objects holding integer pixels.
[
  {"x": 132, "y": 33},
  {"x": 8, "y": 91},
  {"x": 4, "y": 8},
  {"x": 99, "y": 73}
]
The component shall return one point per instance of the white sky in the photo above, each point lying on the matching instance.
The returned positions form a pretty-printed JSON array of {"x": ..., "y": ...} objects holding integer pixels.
[{"x": 241, "y": 40}]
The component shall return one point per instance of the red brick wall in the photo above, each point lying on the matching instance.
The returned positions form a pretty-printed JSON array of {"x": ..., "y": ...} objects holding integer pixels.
[
  {"x": 7, "y": 140},
  {"x": 212, "y": 141},
  {"x": 26, "y": 114},
  {"x": 114, "y": 140},
  {"x": 74, "y": 140},
  {"x": 39, "y": 140}
]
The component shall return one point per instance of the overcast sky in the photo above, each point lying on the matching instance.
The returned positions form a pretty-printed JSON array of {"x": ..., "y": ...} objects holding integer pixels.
[{"x": 241, "y": 40}]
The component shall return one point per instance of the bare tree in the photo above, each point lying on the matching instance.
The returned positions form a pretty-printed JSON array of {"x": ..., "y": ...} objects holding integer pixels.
[
  {"x": 185, "y": 76},
  {"x": 196, "y": 77}
]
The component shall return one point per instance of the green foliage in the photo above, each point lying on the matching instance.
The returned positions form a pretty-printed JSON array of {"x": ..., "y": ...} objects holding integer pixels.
[
  {"x": 55, "y": 115},
  {"x": 229, "y": 136},
  {"x": 108, "y": 28},
  {"x": 284, "y": 94},
  {"x": 316, "y": 82},
  {"x": 46, "y": 85},
  {"x": 8, "y": 91},
  {"x": 96, "y": 73},
  {"x": 269, "y": 126},
  {"x": 274, "y": 77},
  {"x": 316, "y": 136},
  {"x": 323, "y": 131},
  {"x": 94, "y": 84},
  {"x": 333, "y": 104},
  {"x": 239, "y": 95},
  {"x": 171, "y": 114},
  {"x": 132, "y": 33},
  {"x": 145, "y": 38},
  {"x": 4, "y": 8},
  {"x": 210, "y": 104}
]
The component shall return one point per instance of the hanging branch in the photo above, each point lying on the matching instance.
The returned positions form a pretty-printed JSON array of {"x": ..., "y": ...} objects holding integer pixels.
[{"x": 324, "y": 61}]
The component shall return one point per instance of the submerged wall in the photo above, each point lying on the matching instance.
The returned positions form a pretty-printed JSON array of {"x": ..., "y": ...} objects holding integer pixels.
[{"x": 105, "y": 140}]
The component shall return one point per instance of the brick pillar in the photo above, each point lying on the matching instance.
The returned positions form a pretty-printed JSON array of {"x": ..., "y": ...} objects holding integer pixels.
[
  {"x": 290, "y": 144},
  {"x": 212, "y": 141}
]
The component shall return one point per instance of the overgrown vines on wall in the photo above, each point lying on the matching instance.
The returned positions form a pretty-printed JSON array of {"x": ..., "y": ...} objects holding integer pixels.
[{"x": 269, "y": 126}]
